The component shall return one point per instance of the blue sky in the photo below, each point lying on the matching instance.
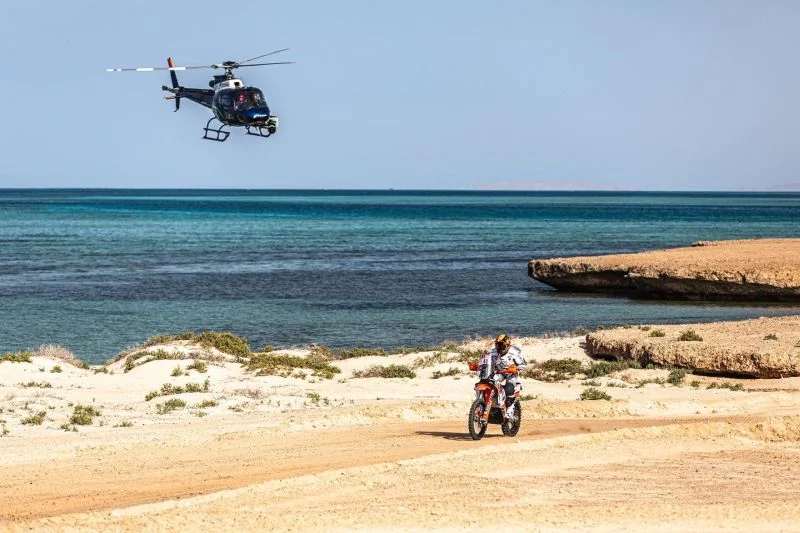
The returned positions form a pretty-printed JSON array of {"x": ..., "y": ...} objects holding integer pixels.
[{"x": 410, "y": 95}]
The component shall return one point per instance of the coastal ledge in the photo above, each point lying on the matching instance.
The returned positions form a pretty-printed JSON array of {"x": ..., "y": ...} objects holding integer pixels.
[
  {"x": 743, "y": 270},
  {"x": 758, "y": 348}
]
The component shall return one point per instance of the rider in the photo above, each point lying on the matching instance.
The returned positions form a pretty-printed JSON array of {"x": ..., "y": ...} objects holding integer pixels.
[{"x": 508, "y": 361}]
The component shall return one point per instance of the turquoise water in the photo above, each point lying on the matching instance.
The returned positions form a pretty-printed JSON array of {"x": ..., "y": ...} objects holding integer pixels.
[{"x": 101, "y": 270}]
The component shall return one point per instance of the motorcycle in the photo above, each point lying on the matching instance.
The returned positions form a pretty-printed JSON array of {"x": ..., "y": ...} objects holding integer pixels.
[{"x": 489, "y": 406}]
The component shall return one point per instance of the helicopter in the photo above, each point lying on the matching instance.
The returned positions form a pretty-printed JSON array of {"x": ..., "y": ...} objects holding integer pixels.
[{"x": 232, "y": 103}]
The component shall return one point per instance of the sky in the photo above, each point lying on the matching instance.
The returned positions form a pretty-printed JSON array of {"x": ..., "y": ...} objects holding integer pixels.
[{"x": 519, "y": 94}]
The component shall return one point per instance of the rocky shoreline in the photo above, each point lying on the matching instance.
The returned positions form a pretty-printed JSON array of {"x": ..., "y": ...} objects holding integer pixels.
[
  {"x": 760, "y": 348},
  {"x": 742, "y": 270}
]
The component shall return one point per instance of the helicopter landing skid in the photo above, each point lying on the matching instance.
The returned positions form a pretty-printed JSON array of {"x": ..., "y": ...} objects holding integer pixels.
[
  {"x": 260, "y": 131},
  {"x": 215, "y": 134}
]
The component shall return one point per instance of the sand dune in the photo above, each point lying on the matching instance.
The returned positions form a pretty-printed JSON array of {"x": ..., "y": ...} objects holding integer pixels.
[{"x": 375, "y": 454}]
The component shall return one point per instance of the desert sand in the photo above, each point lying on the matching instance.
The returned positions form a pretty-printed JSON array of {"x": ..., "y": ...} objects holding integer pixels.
[{"x": 305, "y": 453}]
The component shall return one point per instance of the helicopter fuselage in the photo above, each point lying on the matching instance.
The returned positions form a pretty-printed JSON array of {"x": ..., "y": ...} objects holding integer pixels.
[{"x": 236, "y": 105}]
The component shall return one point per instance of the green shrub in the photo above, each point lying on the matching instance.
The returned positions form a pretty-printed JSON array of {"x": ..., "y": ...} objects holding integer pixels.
[
  {"x": 17, "y": 357},
  {"x": 225, "y": 342},
  {"x": 690, "y": 335},
  {"x": 40, "y": 385},
  {"x": 553, "y": 370},
  {"x": 266, "y": 364},
  {"x": 676, "y": 376},
  {"x": 642, "y": 382},
  {"x": 55, "y": 370},
  {"x": 644, "y": 328},
  {"x": 592, "y": 393},
  {"x": 591, "y": 383},
  {"x": 657, "y": 333},
  {"x": 349, "y": 353},
  {"x": 198, "y": 365},
  {"x": 170, "y": 405},
  {"x": 452, "y": 371},
  {"x": 206, "y": 403},
  {"x": 35, "y": 420},
  {"x": 726, "y": 385},
  {"x": 177, "y": 371},
  {"x": 390, "y": 371},
  {"x": 83, "y": 415},
  {"x": 168, "y": 389},
  {"x": 580, "y": 330},
  {"x": 603, "y": 368},
  {"x": 694, "y": 384}
]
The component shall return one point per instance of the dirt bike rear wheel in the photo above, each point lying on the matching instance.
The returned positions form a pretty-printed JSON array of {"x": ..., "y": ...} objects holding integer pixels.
[
  {"x": 511, "y": 427},
  {"x": 476, "y": 424}
]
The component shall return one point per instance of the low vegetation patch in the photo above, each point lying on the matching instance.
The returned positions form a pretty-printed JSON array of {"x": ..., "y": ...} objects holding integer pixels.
[
  {"x": 17, "y": 357},
  {"x": 54, "y": 351},
  {"x": 452, "y": 371},
  {"x": 389, "y": 371},
  {"x": 141, "y": 358},
  {"x": 592, "y": 393},
  {"x": 430, "y": 360},
  {"x": 198, "y": 365},
  {"x": 33, "y": 384},
  {"x": 55, "y": 370},
  {"x": 676, "y": 376},
  {"x": 642, "y": 382},
  {"x": 591, "y": 383},
  {"x": 35, "y": 420},
  {"x": 170, "y": 405},
  {"x": 657, "y": 333},
  {"x": 176, "y": 371},
  {"x": 168, "y": 389},
  {"x": 268, "y": 364},
  {"x": 553, "y": 370},
  {"x": 206, "y": 403},
  {"x": 726, "y": 385},
  {"x": 603, "y": 368},
  {"x": 690, "y": 335},
  {"x": 225, "y": 342},
  {"x": 83, "y": 415}
]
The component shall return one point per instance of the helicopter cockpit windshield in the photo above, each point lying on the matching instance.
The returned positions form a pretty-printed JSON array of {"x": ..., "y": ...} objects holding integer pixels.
[{"x": 248, "y": 99}]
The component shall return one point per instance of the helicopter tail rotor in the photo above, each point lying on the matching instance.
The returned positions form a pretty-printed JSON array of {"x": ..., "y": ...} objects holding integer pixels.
[{"x": 175, "y": 85}]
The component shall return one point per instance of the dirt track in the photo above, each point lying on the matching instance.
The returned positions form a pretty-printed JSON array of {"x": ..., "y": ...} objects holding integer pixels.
[
  {"x": 121, "y": 476},
  {"x": 735, "y": 473}
]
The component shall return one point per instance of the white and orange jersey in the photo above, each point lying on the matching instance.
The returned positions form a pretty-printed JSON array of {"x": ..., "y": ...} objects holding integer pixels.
[{"x": 512, "y": 357}]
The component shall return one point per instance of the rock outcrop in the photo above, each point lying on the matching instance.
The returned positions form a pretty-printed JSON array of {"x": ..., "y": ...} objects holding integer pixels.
[
  {"x": 746, "y": 270},
  {"x": 762, "y": 348}
]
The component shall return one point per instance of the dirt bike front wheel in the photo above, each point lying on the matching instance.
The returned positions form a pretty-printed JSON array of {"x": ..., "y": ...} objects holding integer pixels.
[
  {"x": 511, "y": 427},
  {"x": 476, "y": 424}
]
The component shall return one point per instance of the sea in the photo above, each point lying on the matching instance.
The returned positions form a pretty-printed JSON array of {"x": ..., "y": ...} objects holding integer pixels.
[{"x": 98, "y": 271}]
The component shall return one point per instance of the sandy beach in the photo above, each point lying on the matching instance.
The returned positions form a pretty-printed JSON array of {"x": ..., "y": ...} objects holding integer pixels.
[{"x": 303, "y": 453}]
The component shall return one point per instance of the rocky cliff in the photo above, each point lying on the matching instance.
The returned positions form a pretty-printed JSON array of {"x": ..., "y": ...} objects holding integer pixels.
[
  {"x": 758, "y": 269},
  {"x": 762, "y": 348}
]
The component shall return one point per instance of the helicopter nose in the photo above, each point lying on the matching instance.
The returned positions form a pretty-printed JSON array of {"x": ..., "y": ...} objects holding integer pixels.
[{"x": 257, "y": 115}]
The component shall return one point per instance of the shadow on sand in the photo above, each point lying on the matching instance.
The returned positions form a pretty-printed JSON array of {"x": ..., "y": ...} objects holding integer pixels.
[{"x": 451, "y": 435}]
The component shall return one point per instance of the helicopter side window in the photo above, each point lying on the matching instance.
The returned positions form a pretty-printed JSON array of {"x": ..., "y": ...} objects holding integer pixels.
[{"x": 226, "y": 101}]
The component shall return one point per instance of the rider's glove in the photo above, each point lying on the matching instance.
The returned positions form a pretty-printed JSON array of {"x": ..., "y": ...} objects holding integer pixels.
[{"x": 511, "y": 369}]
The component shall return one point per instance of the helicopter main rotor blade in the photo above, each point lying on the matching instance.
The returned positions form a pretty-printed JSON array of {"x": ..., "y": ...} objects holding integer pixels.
[
  {"x": 262, "y": 64},
  {"x": 265, "y": 55},
  {"x": 151, "y": 69}
]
